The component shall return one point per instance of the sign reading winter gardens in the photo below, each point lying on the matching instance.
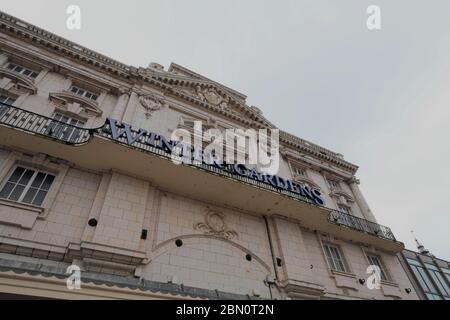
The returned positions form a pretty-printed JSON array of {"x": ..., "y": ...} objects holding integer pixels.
[{"x": 143, "y": 139}]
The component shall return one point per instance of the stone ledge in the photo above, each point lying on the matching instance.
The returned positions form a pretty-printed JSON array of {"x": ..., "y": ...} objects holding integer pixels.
[
  {"x": 120, "y": 282},
  {"x": 390, "y": 289},
  {"x": 297, "y": 288},
  {"x": 345, "y": 280},
  {"x": 19, "y": 214}
]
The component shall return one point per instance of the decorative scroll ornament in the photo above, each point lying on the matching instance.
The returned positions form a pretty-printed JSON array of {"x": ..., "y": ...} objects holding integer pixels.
[
  {"x": 211, "y": 96},
  {"x": 151, "y": 104},
  {"x": 215, "y": 225}
]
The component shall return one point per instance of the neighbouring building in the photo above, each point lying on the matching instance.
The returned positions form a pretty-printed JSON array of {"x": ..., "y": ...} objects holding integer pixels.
[
  {"x": 80, "y": 189},
  {"x": 429, "y": 275}
]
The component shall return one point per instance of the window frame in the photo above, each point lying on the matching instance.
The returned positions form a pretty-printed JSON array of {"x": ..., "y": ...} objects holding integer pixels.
[
  {"x": 334, "y": 184},
  {"x": 330, "y": 259},
  {"x": 446, "y": 272},
  {"x": 29, "y": 184},
  {"x": 299, "y": 171},
  {"x": 384, "y": 274},
  {"x": 73, "y": 131},
  {"x": 8, "y": 97},
  {"x": 23, "y": 70},
  {"x": 420, "y": 272},
  {"x": 75, "y": 89},
  {"x": 438, "y": 278}
]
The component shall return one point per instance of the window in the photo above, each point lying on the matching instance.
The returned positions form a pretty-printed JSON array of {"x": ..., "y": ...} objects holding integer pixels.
[
  {"x": 433, "y": 296},
  {"x": 438, "y": 279},
  {"x": 447, "y": 273},
  {"x": 299, "y": 171},
  {"x": 83, "y": 93},
  {"x": 6, "y": 99},
  {"x": 27, "y": 186},
  {"x": 423, "y": 278},
  {"x": 334, "y": 184},
  {"x": 334, "y": 257},
  {"x": 66, "y": 132},
  {"x": 22, "y": 70},
  {"x": 376, "y": 261}
]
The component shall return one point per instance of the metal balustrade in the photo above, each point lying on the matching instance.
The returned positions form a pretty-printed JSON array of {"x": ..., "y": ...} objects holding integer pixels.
[
  {"x": 35, "y": 123},
  {"x": 356, "y": 223},
  {"x": 28, "y": 121}
]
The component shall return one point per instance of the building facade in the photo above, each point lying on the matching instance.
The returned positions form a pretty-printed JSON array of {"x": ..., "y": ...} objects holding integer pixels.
[
  {"x": 429, "y": 274},
  {"x": 86, "y": 181}
]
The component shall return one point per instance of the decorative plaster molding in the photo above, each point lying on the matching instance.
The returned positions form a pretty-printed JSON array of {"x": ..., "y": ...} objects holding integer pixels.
[
  {"x": 212, "y": 96},
  {"x": 167, "y": 82},
  {"x": 151, "y": 103},
  {"x": 215, "y": 225},
  {"x": 65, "y": 98},
  {"x": 337, "y": 193},
  {"x": 19, "y": 81}
]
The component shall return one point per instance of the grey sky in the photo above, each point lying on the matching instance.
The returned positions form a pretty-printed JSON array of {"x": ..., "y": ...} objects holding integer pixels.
[{"x": 381, "y": 98}]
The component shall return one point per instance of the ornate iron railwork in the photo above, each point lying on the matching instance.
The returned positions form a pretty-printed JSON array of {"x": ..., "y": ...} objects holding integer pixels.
[
  {"x": 356, "y": 223},
  {"x": 38, "y": 124},
  {"x": 15, "y": 117}
]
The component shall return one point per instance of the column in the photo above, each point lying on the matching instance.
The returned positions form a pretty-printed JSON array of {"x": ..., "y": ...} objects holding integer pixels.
[
  {"x": 120, "y": 106},
  {"x": 130, "y": 109},
  {"x": 360, "y": 201}
]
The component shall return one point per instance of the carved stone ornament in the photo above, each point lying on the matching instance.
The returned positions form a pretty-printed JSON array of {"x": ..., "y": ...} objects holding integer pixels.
[
  {"x": 211, "y": 96},
  {"x": 151, "y": 104},
  {"x": 215, "y": 225}
]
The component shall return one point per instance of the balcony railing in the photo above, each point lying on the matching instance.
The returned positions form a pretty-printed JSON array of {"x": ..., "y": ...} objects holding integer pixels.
[
  {"x": 35, "y": 123},
  {"x": 28, "y": 121},
  {"x": 356, "y": 223}
]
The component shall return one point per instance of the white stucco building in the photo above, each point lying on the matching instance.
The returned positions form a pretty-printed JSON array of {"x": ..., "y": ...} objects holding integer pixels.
[{"x": 139, "y": 226}]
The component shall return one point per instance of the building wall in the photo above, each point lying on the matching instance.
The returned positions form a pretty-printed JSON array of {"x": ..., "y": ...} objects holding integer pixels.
[
  {"x": 216, "y": 240},
  {"x": 130, "y": 205}
]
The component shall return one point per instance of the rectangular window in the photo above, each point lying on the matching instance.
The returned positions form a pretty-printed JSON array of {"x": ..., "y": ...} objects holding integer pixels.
[
  {"x": 6, "y": 99},
  {"x": 375, "y": 260},
  {"x": 83, "y": 93},
  {"x": 335, "y": 258},
  {"x": 433, "y": 297},
  {"x": 438, "y": 279},
  {"x": 22, "y": 70},
  {"x": 299, "y": 171},
  {"x": 66, "y": 132},
  {"x": 27, "y": 185},
  {"x": 422, "y": 276}
]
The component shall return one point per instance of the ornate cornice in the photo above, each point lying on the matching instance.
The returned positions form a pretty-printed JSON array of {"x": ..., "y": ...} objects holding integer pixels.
[
  {"x": 174, "y": 68},
  {"x": 44, "y": 38},
  {"x": 166, "y": 82},
  {"x": 19, "y": 79},
  {"x": 177, "y": 82},
  {"x": 317, "y": 151}
]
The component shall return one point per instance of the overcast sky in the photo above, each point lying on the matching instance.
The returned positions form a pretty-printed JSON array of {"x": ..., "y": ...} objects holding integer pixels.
[{"x": 381, "y": 98}]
